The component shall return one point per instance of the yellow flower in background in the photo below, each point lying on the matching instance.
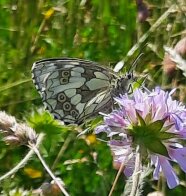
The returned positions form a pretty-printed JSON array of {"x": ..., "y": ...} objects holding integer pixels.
[
  {"x": 49, "y": 13},
  {"x": 41, "y": 50},
  {"x": 32, "y": 173},
  {"x": 91, "y": 139}
]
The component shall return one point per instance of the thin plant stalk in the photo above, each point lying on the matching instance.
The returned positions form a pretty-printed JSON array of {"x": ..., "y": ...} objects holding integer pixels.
[
  {"x": 117, "y": 176},
  {"x": 32, "y": 146},
  {"x": 62, "y": 150},
  {"x": 152, "y": 29},
  {"x": 23, "y": 162}
]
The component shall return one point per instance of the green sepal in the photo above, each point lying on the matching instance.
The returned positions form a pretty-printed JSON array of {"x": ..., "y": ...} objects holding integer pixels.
[
  {"x": 167, "y": 128},
  {"x": 142, "y": 122},
  {"x": 156, "y": 127},
  {"x": 156, "y": 146},
  {"x": 148, "y": 118},
  {"x": 167, "y": 135},
  {"x": 150, "y": 140}
]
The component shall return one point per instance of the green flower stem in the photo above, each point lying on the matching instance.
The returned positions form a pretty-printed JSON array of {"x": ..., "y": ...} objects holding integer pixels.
[
  {"x": 35, "y": 149},
  {"x": 62, "y": 150}
]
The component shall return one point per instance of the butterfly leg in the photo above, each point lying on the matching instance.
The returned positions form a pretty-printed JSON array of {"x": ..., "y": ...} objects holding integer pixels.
[{"x": 130, "y": 89}]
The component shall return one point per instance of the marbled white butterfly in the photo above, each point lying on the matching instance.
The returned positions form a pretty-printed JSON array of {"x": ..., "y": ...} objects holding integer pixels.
[{"x": 75, "y": 89}]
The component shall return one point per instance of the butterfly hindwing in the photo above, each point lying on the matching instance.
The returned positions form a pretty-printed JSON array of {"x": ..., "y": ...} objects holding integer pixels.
[{"x": 73, "y": 89}]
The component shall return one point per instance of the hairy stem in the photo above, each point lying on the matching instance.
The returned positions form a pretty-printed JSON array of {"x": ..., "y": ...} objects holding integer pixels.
[{"x": 136, "y": 174}]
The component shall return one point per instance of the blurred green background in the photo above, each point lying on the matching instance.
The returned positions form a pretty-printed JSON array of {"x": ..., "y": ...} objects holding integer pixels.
[{"x": 102, "y": 31}]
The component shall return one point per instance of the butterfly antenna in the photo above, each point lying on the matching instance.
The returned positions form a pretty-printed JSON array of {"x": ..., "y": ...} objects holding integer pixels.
[{"x": 133, "y": 66}]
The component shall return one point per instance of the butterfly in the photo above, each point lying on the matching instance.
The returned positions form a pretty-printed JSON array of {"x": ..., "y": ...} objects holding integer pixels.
[{"x": 74, "y": 90}]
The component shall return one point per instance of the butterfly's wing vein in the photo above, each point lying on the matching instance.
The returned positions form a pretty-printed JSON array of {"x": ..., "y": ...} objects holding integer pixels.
[{"x": 72, "y": 89}]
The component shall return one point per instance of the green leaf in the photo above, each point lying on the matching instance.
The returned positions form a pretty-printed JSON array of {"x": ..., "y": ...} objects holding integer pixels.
[
  {"x": 137, "y": 84},
  {"x": 8, "y": 86},
  {"x": 44, "y": 122}
]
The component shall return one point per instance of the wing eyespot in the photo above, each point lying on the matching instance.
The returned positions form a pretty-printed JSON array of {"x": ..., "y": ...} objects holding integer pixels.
[
  {"x": 65, "y": 74},
  {"x": 61, "y": 97},
  {"x": 74, "y": 113},
  {"x": 67, "y": 106},
  {"x": 63, "y": 80}
]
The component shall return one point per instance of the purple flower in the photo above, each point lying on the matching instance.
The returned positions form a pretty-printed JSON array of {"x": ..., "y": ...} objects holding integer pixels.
[{"x": 154, "y": 122}]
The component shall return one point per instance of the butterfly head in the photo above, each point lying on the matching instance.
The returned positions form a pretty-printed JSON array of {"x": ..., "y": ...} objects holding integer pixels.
[{"x": 123, "y": 84}]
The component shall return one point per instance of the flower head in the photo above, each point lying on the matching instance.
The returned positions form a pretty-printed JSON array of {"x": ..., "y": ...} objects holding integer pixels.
[
  {"x": 16, "y": 133},
  {"x": 154, "y": 122}
]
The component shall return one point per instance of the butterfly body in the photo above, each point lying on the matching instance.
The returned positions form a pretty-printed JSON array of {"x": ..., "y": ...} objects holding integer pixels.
[{"x": 74, "y": 89}]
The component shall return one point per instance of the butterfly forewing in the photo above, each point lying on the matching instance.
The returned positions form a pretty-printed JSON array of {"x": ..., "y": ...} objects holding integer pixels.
[{"x": 73, "y": 89}]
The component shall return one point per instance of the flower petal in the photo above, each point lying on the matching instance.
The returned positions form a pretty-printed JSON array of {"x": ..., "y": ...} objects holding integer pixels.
[
  {"x": 171, "y": 177},
  {"x": 179, "y": 155}
]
